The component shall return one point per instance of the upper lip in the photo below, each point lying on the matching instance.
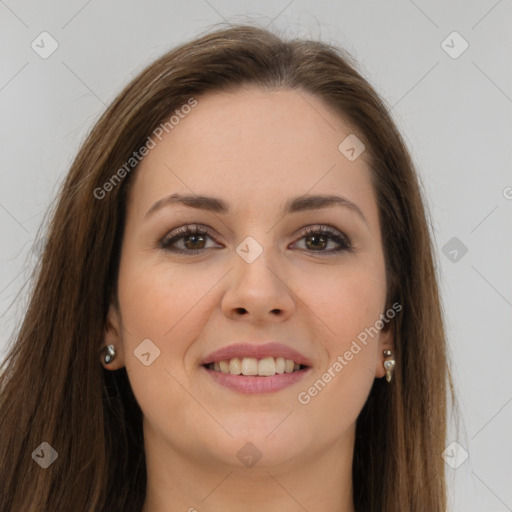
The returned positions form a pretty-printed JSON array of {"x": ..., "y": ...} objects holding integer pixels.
[{"x": 258, "y": 351}]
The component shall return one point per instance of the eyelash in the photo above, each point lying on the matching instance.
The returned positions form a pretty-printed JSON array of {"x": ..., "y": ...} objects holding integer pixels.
[{"x": 194, "y": 229}]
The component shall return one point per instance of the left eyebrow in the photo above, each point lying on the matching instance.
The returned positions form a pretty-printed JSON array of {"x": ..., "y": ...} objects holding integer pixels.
[{"x": 293, "y": 205}]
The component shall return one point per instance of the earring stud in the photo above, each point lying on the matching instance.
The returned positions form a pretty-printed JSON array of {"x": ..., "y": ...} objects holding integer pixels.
[{"x": 109, "y": 354}]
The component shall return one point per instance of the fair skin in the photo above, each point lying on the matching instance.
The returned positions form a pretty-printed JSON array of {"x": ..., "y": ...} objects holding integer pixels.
[{"x": 254, "y": 149}]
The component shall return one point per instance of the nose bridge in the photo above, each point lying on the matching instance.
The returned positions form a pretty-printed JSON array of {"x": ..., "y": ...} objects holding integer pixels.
[
  {"x": 255, "y": 259},
  {"x": 256, "y": 284}
]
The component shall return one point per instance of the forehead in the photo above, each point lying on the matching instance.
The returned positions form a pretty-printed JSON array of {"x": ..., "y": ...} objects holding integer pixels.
[{"x": 254, "y": 146}]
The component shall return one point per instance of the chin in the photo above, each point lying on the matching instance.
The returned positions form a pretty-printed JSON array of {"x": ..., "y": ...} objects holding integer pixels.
[{"x": 259, "y": 446}]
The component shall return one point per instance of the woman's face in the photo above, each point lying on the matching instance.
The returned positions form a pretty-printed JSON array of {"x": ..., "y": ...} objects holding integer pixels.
[{"x": 260, "y": 274}]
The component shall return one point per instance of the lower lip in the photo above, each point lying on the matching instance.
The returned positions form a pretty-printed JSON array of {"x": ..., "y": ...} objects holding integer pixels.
[{"x": 254, "y": 384}]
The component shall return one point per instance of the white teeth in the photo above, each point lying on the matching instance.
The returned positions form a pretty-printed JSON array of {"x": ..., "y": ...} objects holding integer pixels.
[
  {"x": 235, "y": 366},
  {"x": 249, "y": 366},
  {"x": 265, "y": 367}
]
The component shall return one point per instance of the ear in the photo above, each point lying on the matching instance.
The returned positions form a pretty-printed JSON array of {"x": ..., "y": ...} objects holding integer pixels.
[
  {"x": 112, "y": 336},
  {"x": 386, "y": 342}
]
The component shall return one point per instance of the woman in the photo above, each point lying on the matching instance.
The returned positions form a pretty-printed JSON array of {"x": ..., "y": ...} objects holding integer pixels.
[{"x": 237, "y": 307}]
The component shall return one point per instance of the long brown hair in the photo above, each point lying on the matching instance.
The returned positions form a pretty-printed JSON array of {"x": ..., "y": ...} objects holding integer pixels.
[{"x": 53, "y": 388}]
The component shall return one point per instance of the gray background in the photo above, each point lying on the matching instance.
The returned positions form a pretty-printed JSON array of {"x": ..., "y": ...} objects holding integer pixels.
[{"x": 455, "y": 114}]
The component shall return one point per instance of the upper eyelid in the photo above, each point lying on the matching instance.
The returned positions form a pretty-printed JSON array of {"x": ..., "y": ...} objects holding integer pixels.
[{"x": 192, "y": 226}]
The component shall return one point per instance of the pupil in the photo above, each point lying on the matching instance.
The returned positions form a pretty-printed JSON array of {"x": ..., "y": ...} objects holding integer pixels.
[
  {"x": 193, "y": 243},
  {"x": 317, "y": 237}
]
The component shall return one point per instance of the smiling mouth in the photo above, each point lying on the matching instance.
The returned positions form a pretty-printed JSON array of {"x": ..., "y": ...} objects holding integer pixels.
[{"x": 250, "y": 366}]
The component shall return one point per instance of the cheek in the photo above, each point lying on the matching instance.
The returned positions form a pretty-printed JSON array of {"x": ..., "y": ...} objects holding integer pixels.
[
  {"x": 162, "y": 305},
  {"x": 158, "y": 300},
  {"x": 340, "y": 388},
  {"x": 332, "y": 404},
  {"x": 354, "y": 305},
  {"x": 349, "y": 301},
  {"x": 168, "y": 306}
]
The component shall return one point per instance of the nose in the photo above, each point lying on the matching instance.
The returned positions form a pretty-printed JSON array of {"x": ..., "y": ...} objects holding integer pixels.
[{"x": 260, "y": 291}]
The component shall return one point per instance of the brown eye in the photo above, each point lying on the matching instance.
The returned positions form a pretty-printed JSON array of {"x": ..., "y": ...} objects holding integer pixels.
[
  {"x": 192, "y": 239},
  {"x": 318, "y": 238}
]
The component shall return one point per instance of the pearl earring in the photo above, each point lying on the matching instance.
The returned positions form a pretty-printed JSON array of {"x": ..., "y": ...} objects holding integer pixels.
[{"x": 389, "y": 364}]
